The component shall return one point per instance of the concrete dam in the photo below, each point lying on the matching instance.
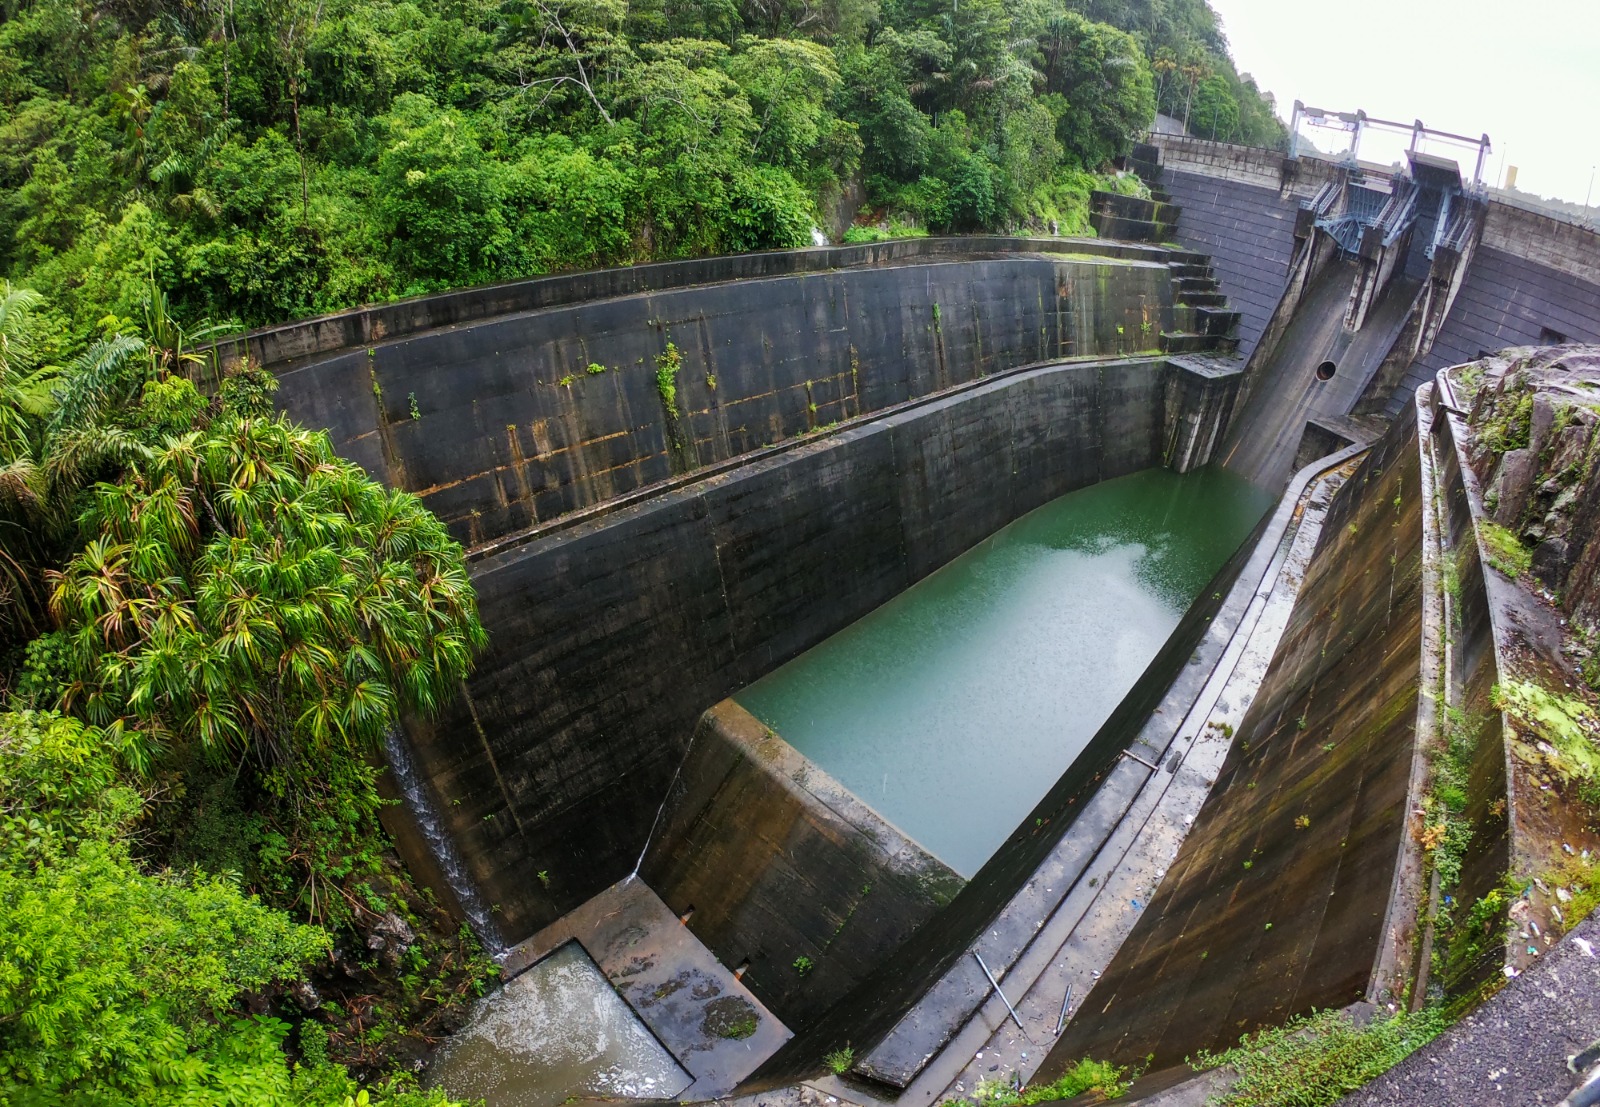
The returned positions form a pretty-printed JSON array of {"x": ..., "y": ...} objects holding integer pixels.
[{"x": 895, "y": 649}]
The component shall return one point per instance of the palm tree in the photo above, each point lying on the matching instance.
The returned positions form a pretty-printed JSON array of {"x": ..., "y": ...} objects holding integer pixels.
[{"x": 56, "y": 434}]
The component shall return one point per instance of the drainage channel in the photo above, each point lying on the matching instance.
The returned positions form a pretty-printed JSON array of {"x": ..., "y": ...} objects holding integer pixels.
[{"x": 1096, "y": 907}]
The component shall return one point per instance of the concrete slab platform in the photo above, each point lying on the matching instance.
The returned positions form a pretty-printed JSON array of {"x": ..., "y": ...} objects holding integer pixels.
[{"x": 710, "y": 1022}]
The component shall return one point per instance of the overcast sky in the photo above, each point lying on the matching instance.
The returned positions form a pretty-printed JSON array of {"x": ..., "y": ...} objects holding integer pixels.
[{"x": 1527, "y": 72}]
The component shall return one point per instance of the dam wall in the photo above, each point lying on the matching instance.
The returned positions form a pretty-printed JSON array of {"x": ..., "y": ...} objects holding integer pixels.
[
  {"x": 1279, "y": 899},
  {"x": 611, "y": 633},
  {"x": 1534, "y": 281},
  {"x": 1534, "y": 278},
  {"x": 510, "y": 420}
]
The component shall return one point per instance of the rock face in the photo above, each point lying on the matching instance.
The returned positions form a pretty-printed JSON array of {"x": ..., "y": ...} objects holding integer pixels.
[{"x": 1535, "y": 411}]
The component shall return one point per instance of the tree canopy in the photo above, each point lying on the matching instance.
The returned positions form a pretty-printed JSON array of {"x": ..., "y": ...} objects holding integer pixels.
[{"x": 269, "y": 159}]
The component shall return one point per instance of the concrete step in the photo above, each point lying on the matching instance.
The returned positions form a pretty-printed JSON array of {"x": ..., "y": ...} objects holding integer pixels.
[
  {"x": 1215, "y": 321},
  {"x": 1206, "y": 283},
  {"x": 1189, "y": 269},
  {"x": 1202, "y": 299},
  {"x": 1160, "y": 196},
  {"x": 1133, "y": 207},
  {"x": 1130, "y": 230},
  {"x": 1179, "y": 342}
]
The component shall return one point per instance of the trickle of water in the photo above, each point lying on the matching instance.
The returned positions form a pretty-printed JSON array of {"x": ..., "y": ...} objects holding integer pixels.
[{"x": 420, "y": 803}]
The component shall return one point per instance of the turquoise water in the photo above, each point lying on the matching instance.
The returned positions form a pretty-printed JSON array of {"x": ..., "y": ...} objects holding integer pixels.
[{"x": 954, "y": 707}]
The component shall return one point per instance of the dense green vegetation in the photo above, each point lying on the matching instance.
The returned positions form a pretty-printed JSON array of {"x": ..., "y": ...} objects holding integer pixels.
[
  {"x": 208, "y": 621},
  {"x": 268, "y": 159},
  {"x": 1319, "y": 1058}
]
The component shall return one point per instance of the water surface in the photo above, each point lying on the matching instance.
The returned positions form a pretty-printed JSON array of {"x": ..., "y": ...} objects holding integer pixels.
[
  {"x": 555, "y": 1031},
  {"x": 954, "y": 707}
]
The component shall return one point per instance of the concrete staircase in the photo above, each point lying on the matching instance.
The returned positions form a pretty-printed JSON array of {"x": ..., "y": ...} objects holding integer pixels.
[{"x": 1202, "y": 321}]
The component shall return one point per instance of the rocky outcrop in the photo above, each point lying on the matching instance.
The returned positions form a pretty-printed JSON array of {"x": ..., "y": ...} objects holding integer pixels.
[{"x": 1535, "y": 412}]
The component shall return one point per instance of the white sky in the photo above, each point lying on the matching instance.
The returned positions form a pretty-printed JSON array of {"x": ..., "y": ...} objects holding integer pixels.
[{"x": 1527, "y": 72}]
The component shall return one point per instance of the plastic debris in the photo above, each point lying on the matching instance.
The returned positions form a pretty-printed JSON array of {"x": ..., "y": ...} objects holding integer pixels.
[
  {"x": 1511, "y": 973},
  {"x": 1563, "y": 895},
  {"x": 1588, "y": 950}
]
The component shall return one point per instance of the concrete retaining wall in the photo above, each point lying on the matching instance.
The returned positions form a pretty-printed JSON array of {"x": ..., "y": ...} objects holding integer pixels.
[
  {"x": 1472, "y": 670},
  {"x": 610, "y": 636},
  {"x": 1511, "y": 297},
  {"x": 1276, "y": 902},
  {"x": 500, "y": 424},
  {"x": 780, "y": 868}
]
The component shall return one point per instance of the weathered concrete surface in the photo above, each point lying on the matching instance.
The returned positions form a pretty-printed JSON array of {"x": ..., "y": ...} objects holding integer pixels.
[
  {"x": 1512, "y": 1051},
  {"x": 708, "y": 1020},
  {"x": 1198, "y": 404},
  {"x": 1282, "y": 391},
  {"x": 1511, "y": 298},
  {"x": 505, "y": 422},
  {"x": 610, "y": 636},
  {"x": 1471, "y": 670},
  {"x": 289, "y": 343},
  {"x": 1276, "y": 904},
  {"x": 781, "y": 868}
]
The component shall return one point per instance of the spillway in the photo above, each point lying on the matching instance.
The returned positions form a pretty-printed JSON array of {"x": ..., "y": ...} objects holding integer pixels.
[{"x": 953, "y": 707}]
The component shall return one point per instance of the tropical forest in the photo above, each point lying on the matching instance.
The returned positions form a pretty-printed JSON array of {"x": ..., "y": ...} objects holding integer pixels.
[{"x": 210, "y": 622}]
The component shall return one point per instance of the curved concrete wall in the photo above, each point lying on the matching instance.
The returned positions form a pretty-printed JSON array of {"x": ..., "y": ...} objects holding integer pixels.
[
  {"x": 611, "y": 635},
  {"x": 499, "y": 425}
]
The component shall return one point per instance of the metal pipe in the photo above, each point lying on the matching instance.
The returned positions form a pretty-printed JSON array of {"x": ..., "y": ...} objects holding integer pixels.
[
  {"x": 1131, "y": 756},
  {"x": 996, "y": 985},
  {"x": 1061, "y": 1019}
]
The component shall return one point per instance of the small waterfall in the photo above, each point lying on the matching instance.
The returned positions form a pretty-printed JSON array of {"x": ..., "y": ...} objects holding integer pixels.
[{"x": 420, "y": 802}]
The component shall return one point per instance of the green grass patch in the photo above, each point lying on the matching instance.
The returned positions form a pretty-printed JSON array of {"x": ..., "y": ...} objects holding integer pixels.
[
  {"x": 1088, "y": 1075},
  {"x": 1316, "y": 1059},
  {"x": 1565, "y": 722},
  {"x": 1504, "y": 550},
  {"x": 895, "y": 229}
]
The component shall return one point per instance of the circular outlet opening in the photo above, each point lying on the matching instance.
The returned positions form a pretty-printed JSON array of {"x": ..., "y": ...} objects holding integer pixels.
[{"x": 1326, "y": 370}]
